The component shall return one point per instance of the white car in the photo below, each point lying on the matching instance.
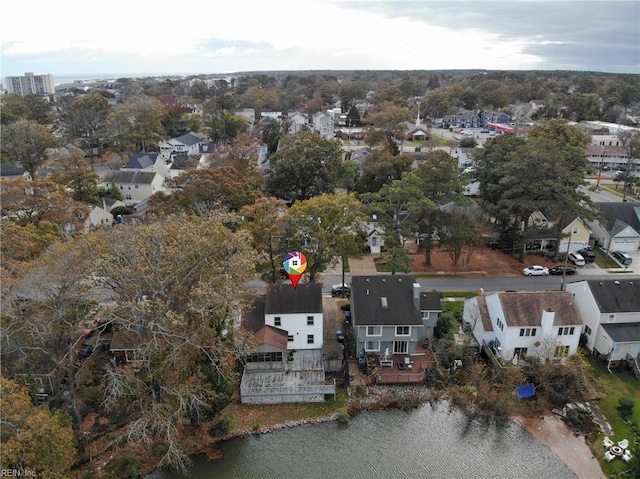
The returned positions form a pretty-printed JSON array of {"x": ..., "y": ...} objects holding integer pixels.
[{"x": 535, "y": 270}]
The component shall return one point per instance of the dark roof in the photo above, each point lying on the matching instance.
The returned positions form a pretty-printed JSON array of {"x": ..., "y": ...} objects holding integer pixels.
[
  {"x": 184, "y": 163},
  {"x": 487, "y": 325},
  {"x": 616, "y": 296},
  {"x": 140, "y": 161},
  {"x": 207, "y": 147},
  {"x": 284, "y": 299},
  {"x": 272, "y": 336},
  {"x": 132, "y": 177},
  {"x": 430, "y": 301},
  {"x": 524, "y": 308},
  {"x": 9, "y": 169},
  {"x": 191, "y": 138},
  {"x": 622, "y": 332},
  {"x": 367, "y": 304},
  {"x": 628, "y": 213}
]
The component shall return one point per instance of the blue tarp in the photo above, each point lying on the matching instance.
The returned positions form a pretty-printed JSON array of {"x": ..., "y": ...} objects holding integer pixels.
[{"x": 525, "y": 390}]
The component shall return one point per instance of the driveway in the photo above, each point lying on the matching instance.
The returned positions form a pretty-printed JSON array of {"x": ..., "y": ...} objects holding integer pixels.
[{"x": 363, "y": 266}]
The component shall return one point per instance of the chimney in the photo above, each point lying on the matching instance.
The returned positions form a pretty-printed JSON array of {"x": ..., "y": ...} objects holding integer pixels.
[{"x": 416, "y": 290}]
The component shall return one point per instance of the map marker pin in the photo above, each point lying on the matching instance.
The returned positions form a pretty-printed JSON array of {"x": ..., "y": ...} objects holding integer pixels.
[{"x": 294, "y": 264}]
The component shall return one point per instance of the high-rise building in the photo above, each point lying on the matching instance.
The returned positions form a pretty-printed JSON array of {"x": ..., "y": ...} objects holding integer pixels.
[{"x": 30, "y": 84}]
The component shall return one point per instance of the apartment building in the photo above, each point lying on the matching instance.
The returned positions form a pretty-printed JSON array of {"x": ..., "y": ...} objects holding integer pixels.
[{"x": 30, "y": 84}]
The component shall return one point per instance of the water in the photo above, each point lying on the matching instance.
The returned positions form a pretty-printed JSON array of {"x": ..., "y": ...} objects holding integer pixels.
[{"x": 423, "y": 443}]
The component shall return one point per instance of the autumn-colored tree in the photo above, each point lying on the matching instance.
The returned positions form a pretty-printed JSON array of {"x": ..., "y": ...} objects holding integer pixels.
[
  {"x": 21, "y": 244},
  {"x": 180, "y": 283},
  {"x": 200, "y": 191},
  {"x": 31, "y": 202},
  {"x": 34, "y": 440},
  {"x": 86, "y": 120},
  {"x": 379, "y": 168},
  {"x": 325, "y": 228},
  {"x": 391, "y": 118},
  {"x": 26, "y": 142},
  {"x": 28, "y": 107},
  {"x": 266, "y": 220},
  {"x": 76, "y": 174},
  {"x": 136, "y": 125}
]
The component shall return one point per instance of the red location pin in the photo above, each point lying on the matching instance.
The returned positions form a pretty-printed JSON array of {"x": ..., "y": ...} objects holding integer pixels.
[{"x": 294, "y": 264}]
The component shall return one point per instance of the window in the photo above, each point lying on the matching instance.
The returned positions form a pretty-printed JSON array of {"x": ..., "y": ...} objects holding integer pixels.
[
  {"x": 500, "y": 325},
  {"x": 277, "y": 321},
  {"x": 136, "y": 187},
  {"x": 612, "y": 318},
  {"x": 309, "y": 338},
  {"x": 403, "y": 330},
  {"x": 309, "y": 320},
  {"x": 264, "y": 357},
  {"x": 527, "y": 332},
  {"x": 561, "y": 351},
  {"x": 290, "y": 338},
  {"x": 128, "y": 197},
  {"x": 374, "y": 331},
  {"x": 575, "y": 230},
  {"x": 616, "y": 349},
  {"x": 566, "y": 331},
  {"x": 520, "y": 352},
  {"x": 425, "y": 315},
  {"x": 587, "y": 330},
  {"x": 374, "y": 241},
  {"x": 372, "y": 346}
]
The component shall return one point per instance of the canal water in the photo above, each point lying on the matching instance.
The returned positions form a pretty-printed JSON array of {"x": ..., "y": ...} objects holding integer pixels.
[{"x": 428, "y": 442}]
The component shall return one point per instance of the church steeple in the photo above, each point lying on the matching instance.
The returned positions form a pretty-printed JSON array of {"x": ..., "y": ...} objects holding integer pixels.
[{"x": 418, "y": 119}]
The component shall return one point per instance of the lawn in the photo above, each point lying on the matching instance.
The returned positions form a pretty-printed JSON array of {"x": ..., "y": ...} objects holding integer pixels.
[
  {"x": 611, "y": 387},
  {"x": 604, "y": 260}
]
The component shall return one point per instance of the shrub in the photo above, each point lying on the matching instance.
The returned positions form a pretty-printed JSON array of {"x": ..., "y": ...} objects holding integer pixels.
[
  {"x": 160, "y": 448},
  {"x": 126, "y": 467},
  {"x": 343, "y": 417},
  {"x": 221, "y": 428},
  {"x": 626, "y": 406}
]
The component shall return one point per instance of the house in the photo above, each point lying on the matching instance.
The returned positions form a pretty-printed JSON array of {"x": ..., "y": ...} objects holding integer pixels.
[
  {"x": 611, "y": 156},
  {"x": 135, "y": 186},
  {"x": 390, "y": 314},
  {"x": 610, "y": 311},
  {"x": 97, "y": 217},
  {"x": 619, "y": 229},
  {"x": 147, "y": 162},
  {"x": 297, "y": 122},
  {"x": 514, "y": 325},
  {"x": 375, "y": 235},
  {"x": 417, "y": 133},
  {"x": 323, "y": 124},
  {"x": 288, "y": 365},
  {"x": 188, "y": 144}
]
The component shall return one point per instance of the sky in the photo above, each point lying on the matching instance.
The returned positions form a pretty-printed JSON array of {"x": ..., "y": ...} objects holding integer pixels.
[{"x": 130, "y": 37}]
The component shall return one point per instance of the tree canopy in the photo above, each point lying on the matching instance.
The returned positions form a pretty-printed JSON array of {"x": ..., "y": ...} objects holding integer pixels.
[{"x": 25, "y": 142}]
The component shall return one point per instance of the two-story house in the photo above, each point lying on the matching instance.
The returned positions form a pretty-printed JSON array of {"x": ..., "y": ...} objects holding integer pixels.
[
  {"x": 188, "y": 144},
  {"x": 390, "y": 314},
  {"x": 514, "y": 325},
  {"x": 288, "y": 365},
  {"x": 323, "y": 124},
  {"x": 619, "y": 228},
  {"x": 136, "y": 186},
  {"x": 610, "y": 311}
]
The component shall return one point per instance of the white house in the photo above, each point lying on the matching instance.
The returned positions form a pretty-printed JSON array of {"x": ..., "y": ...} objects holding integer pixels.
[
  {"x": 323, "y": 124},
  {"x": 375, "y": 235},
  {"x": 135, "y": 186},
  {"x": 515, "y": 325},
  {"x": 188, "y": 144},
  {"x": 620, "y": 228},
  {"x": 147, "y": 162},
  {"x": 610, "y": 311},
  {"x": 297, "y": 122}
]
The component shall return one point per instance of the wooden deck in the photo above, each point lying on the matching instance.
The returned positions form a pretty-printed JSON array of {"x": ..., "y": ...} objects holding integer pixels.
[{"x": 422, "y": 359}]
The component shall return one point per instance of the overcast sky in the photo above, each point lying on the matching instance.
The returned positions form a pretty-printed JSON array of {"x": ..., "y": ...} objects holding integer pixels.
[{"x": 69, "y": 37}]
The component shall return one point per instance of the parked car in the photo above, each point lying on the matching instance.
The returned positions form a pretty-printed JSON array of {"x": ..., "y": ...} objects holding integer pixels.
[
  {"x": 338, "y": 289},
  {"x": 536, "y": 270},
  {"x": 588, "y": 255},
  {"x": 622, "y": 257},
  {"x": 562, "y": 270},
  {"x": 577, "y": 259},
  {"x": 606, "y": 168}
]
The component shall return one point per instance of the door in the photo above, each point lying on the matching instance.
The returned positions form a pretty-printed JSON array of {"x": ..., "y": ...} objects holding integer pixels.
[
  {"x": 635, "y": 348},
  {"x": 400, "y": 347}
]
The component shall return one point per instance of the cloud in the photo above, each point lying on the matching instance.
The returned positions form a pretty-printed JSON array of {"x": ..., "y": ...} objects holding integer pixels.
[{"x": 211, "y": 37}]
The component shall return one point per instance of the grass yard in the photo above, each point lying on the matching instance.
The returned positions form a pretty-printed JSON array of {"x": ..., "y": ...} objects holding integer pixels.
[{"x": 604, "y": 260}]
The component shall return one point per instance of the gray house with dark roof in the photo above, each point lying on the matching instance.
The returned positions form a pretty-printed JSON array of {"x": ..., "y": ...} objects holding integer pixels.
[
  {"x": 390, "y": 315},
  {"x": 136, "y": 186},
  {"x": 619, "y": 230},
  {"x": 610, "y": 311},
  {"x": 288, "y": 365}
]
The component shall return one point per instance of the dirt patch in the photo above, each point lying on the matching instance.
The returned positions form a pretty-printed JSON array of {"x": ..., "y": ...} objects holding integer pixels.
[
  {"x": 483, "y": 262},
  {"x": 572, "y": 449}
]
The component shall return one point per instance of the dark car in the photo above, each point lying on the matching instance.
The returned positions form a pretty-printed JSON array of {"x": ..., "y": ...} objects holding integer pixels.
[
  {"x": 340, "y": 289},
  {"x": 562, "y": 269},
  {"x": 588, "y": 255}
]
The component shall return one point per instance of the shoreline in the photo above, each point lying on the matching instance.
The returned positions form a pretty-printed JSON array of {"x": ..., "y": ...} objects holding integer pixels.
[{"x": 571, "y": 449}]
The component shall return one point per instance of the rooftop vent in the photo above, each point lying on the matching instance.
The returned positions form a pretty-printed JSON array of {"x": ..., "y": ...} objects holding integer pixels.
[{"x": 616, "y": 282}]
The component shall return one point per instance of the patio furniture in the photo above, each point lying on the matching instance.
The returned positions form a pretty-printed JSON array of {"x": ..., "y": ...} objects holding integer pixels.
[
  {"x": 606, "y": 442},
  {"x": 624, "y": 443},
  {"x": 402, "y": 366},
  {"x": 616, "y": 451},
  {"x": 608, "y": 456},
  {"x": 627, "y": 455}
]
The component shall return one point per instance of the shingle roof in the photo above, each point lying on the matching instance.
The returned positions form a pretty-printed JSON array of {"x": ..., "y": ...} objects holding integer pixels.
[
  {"x": 622, "y": 332},
  {"x": 253, "y": 318},
  {"x": 284, "y": 299},
  {"x": 524, "y": 308},
  {"x": 626, "y": 212},
  {"x": 367, "y": 304},
  {"x": 272, "y": 336},
  {"x": 616, "y": 296},
  {"x": 190, "y": 138},
  {"x": 139, "y": 177},
  {"x": 487, "y": 325},
  {"x": 141, "y": 161},
  {"x": 430, "y": 301}
]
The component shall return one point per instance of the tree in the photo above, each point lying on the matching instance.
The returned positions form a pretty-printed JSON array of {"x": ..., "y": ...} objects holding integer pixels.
[
  {"x": 379, "y": 168},
  {"x": 326, "y": 227},
  {"x": 136, "y": 125},
  {"x": 456, "y": 236},
  {"x": 183, "y": 301},
  {"x": 27, "y": 433},
  {"x": 436, "y": 104},
  {"x": 86, "y": 120},
  {"x": 201, "y": 191},
  {"x": 630, "y": 141},
  {"x": 266, "y": 220},
  {"x": 32, "y": 202},
  {"x": 306, "y": 165},
  {"x": 391, "y": 118},
  {"x": 26, "y": 142},
  {"x": 442, "y": 183},
  {"x": 76, "y": 175},
  {"x": 271, "y": 134}
]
